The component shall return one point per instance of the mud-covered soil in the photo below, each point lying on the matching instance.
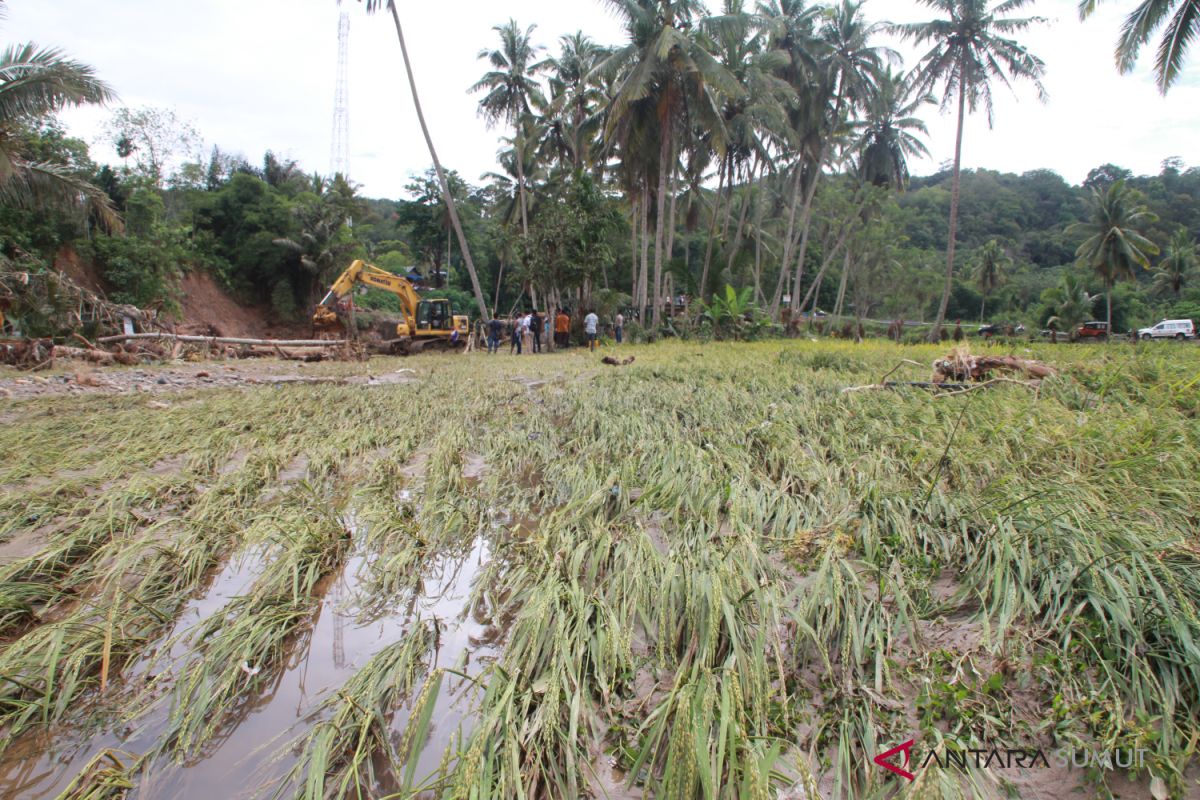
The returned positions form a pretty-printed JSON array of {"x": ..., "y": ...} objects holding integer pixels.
[{"x": 84, "y": 379}]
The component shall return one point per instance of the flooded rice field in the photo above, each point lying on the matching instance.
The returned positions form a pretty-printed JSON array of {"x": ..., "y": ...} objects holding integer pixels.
[{"x": 711, "y": 573}]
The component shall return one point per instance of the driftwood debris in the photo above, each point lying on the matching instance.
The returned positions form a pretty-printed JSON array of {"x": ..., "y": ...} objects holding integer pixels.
[
  {"x": 613, "y": 362},
  {"x": 961, "y": 365},
  {"x": 960, "y": 371}
]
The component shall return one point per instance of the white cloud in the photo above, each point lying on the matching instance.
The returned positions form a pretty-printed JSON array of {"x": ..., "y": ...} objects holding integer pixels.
[{"x": 254, "y": 75}]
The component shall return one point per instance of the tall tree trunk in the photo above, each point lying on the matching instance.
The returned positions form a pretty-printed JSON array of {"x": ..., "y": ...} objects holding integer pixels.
[
  {"x": 670, "y": 251},
  {"x": 499, "y": 279},
  {"x": 520, "y": 157},
  {"x": 737, "y": 236},
  {"x": 635, "y": 220},
  {"x": 758, "y": 295},
  {"x": 728, "y": 198},
  {"x": 837, "y": 309},
  {"x": 1108, "y": 289},
  {"x": 837, "y": 246},
  {"x": 644, "y": 272},
  {"x": 982, "y": 301},
  {"x": 805, "y": 228},
  {"x": 936, "y": 333},
  {"x": 806, "y": 220},
  {"x": 786, "y": 260},
  {"x": 437, "y": 166},
  {"x": 665, "y": 162},
  {"x": 712, "y": 232}
]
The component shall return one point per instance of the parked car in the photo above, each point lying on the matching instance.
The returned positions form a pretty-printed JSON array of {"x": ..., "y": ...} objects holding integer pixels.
[
  {"x": 1092, "y": 330},
  {"x": 1170, "y": 329},
  {"x": 994, "y": 329}
]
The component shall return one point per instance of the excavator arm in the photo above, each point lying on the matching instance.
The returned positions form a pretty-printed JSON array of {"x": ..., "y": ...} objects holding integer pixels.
[
  {"x": 429, "y": 321},
  {"x": 362, "y": 272}
]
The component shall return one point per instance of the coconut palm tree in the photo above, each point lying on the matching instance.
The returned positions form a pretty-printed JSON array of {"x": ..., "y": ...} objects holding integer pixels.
[
  {"x": 753, "y": 119},
  {"x": 1177, "y": 264},
  {"x": 989, "y": 271},
  {"x": 576, "y": 96},
  {"x": 664, "y": 67},
  {"x": 1071, "y": 303},
  {"x": 970, "y": 48},
  {"x": 452, "y": 207},
  {"x": 512, "y": 90},
  {"x": 36, "y": 83},
  {"x": 1141, "y": 24},
  {"x": 794, "y": 31},
  {"x": 847, "y": 71},
  {"x": 888, "y": 133},
  {"x": 1114, "y": 246}
]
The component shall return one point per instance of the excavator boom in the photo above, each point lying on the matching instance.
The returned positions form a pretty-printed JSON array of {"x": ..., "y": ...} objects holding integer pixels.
[{"x": 426, "y": 321}]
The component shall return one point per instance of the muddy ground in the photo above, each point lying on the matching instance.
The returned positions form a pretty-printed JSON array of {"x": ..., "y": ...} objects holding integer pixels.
[{"x": 85, "y": 379}]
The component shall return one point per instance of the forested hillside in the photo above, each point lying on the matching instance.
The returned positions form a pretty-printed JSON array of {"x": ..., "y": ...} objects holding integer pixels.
[
  {"x": 759, "y": 154},
  {"x": 273, "y": 234}
]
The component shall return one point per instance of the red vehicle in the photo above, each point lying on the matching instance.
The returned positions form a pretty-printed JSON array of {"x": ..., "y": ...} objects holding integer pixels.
[{"x": 1093, "y": 330}]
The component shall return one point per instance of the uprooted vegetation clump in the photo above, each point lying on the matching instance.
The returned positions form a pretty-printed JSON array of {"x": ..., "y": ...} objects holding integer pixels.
[{"x": 711, "y": 573}]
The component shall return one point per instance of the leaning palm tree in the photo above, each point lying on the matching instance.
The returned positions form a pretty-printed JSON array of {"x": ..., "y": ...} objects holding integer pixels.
[
  {"x": 34, "y": 84},
  {"x": 970, "y": 49},
  {"x": 1114, "y": 245},
  {"x": 512, "y": 87},
  {"x": 451, "y": 206},
  {"x": 848, "y": 66},
  {"x": 989, "y": 271},
  {"x": 1177, "y": 264},
  {"x": 1141, "y": 24}
]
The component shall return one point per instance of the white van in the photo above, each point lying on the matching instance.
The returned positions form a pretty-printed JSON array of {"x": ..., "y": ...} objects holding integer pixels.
[{"x": 1170, "y": 329}]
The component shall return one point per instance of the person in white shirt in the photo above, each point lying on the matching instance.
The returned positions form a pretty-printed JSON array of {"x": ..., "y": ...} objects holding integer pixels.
[
  {"x": 619, "y": 327},
  {"x": 527, "y": 334},
  {"x": 590, "y": 323}
]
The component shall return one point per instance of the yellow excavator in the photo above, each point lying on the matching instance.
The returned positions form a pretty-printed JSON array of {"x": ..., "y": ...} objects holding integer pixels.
[{"x": 426, "y": 322}]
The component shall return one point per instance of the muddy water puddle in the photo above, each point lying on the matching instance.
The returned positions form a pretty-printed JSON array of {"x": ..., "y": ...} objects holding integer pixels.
[{"x": 255, "y": 750}]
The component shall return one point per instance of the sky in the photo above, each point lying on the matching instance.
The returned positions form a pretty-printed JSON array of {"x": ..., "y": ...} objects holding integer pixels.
[{"x": 253, "y": 75}]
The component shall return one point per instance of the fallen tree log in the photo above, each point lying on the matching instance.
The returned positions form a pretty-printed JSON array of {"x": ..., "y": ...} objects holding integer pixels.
[{"x": 218, "y": 340}]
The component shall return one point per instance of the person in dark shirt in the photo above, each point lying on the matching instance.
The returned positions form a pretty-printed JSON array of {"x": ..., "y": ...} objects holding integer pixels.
[
  {"x": 535, "y": 328},
  {"x": 493, "y": 340}
]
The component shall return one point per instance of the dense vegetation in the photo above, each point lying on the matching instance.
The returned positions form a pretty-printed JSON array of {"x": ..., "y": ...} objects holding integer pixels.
[{"x": 764, "y": 150}]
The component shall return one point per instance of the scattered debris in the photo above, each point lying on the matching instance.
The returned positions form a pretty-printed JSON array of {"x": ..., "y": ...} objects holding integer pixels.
[
  {"x": 950, "y": 374},
  {"x": 612, "y": 362}
]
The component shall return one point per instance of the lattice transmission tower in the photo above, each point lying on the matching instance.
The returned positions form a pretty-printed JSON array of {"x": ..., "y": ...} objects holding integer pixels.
[{"x": 339, "y": 149}]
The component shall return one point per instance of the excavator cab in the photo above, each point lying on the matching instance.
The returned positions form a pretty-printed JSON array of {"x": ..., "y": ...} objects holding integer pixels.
[{"x": 433, "y": 315}]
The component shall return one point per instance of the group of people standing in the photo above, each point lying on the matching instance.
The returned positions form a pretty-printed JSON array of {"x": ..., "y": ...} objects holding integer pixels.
[{"x": 525, "y": 332}]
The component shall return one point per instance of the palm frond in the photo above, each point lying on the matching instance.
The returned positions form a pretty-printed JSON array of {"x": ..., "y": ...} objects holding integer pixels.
[
  {"x": 36, "y": 82},
  {"x": 42, "y": 185}
]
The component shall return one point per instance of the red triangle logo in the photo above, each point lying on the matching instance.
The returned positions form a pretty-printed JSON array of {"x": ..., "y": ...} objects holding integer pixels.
[{"x": 882, "y": 760}]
